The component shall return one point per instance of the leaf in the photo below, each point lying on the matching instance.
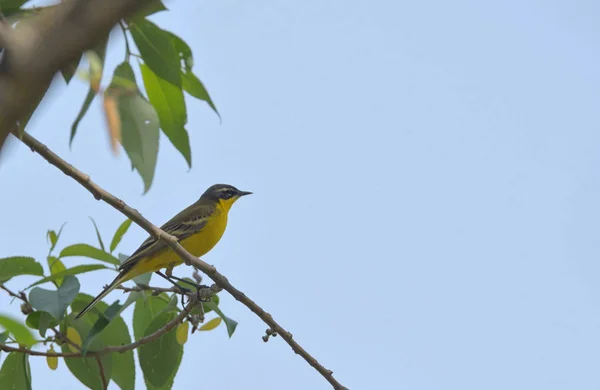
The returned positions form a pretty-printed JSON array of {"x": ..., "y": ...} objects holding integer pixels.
[
  {"x": 169, "y": 103},
  {"x": 74, "y": 336},
  {"x": 98, "y": 235},
  {"x": 157, "y": 50},
  {"x": 143, "y": 279},
  {"x": 210, "y": 325},
  {"x": 182, "y": 332},
  {"x": 121, "y": 230},
  {"x": 85, "y": 369},
  {"x": 40, "y": 320},
  {"x": 18, "y": 265},
  {"x": 100, "y": 50},
  {"x": 113, "y": 121},
  {"x": 193, "y": 86},
  {"x": 152, "y": 8},
  {"x": 86, "y": 250},
  {"x": 184, "y": 51},
  {"x": 140, "y": 125},
  {"x": 102, "y": 322},
  {"x": 55, "y": 302},
  {"x": 69, "y": 70},
  {"x": 229, "y": 323},
  {"x": 214, "y": 299},
  {"x": 115, "y": 333},
  {"x": 146, "y": 310},
  {"x": 15, "y": 372},
  {"x": 158, "y": 359},
  {"x": 9, "y": 7},
  {"x": 56, "y": 266},
  {"x": 53, "y": 238},
  {"x": 19, "y": 331},
  {"x": 52, "y": 361},
  {"x": 78, "y": 269}
]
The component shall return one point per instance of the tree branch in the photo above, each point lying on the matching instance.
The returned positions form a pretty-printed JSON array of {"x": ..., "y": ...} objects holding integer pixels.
[
  {"x": 101, "y": 194},
  {"x": 44, "y": 44}
]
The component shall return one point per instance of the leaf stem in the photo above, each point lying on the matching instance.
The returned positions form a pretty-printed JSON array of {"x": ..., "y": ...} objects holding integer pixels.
[{"x": 127, "y": 48}]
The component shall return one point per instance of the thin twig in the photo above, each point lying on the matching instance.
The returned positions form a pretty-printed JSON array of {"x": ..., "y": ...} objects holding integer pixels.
[
  {"x": 102, "y": 374},
  {"x": 100, "y": 194}
]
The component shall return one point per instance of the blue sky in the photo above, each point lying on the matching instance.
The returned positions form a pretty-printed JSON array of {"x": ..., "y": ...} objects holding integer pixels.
[{"x": 426, "y": 179}]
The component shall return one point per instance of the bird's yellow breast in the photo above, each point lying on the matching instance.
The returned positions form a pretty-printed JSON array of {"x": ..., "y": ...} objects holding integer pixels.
[{"x": 198, "y": 245}]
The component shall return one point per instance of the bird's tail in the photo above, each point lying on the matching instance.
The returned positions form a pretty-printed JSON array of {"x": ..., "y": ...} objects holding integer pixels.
[{"x": 118, "y": 280}]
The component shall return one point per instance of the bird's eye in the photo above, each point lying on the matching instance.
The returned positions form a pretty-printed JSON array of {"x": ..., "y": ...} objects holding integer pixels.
[{"x": 228, "y": 194}]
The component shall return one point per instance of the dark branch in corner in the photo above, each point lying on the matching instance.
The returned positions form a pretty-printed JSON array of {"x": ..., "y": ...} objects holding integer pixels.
[
  {"x": 101, "y": 194},
  {"x": 44, "y": 44}
]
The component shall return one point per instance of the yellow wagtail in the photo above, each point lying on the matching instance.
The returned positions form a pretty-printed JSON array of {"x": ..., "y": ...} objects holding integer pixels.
[{"x": 198, "y": 228}]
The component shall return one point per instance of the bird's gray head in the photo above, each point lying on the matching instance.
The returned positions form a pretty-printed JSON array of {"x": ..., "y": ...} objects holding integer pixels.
[{"x": 224, "y": 192}]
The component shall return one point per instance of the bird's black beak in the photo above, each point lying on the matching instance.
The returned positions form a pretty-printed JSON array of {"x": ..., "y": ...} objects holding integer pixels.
[{"x": 244, "y": 193}]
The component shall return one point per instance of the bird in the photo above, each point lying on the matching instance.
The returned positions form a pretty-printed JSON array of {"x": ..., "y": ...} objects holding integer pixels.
[{"x": 198, "y": 228}]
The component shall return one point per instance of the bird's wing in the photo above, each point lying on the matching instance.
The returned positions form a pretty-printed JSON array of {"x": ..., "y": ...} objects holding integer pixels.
[{"x": 188, "y": 222}]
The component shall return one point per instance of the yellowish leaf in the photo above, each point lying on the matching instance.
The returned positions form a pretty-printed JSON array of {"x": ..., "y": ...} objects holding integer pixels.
[
  {"x": 95, "y": 69},
  {"x": 181, "y": 333},
  {"x": 113, "y": 120},
  {"x": 210, "y": 325},
  {"x": 52, "y": 361},
  {"x": 73, "y": 335}
]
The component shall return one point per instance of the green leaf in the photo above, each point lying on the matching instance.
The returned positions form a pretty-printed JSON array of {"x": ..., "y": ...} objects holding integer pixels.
[
  {"x": 69, "y": 70},
  {"x": 184, "y": 51},
  {"x": 214, "y": 299},
  {"x": 78, "y": 269},
  {"x": 159, "y": 359},
  {"x": 102, "y": 322},
  {"x": 15, "y": 372},
  {"x": 55, "y": 302},
  {"x": 143, "y": 279},
  {"x": 139, "y": 126},
  {"x": 19, "y": 331},
  {"x": 193, "y": 86},
  {"x": 152, "y": 8},
  {"x": 98, "y": 235},
  {"x": 121, "y": 230},
  {"x": 86, "y": 250},
  {"x": 115, "y": 333},
  {"x": 3, "y": 336},
  {"x": 145, "y": 310},
  {"x": 56, "y": 266},
  {"x": 157, "y": 50},
  {"x": 100, "y": 50},
  {"x": 41, "y": 321},
  {"x": 52, "y": 237},
  {"x": 18, "y": 265},
  {"x": 86, "y": 369},
  {"x": 9, "y": 7},
  {"x": 169, "y": 103},
  {"x": 231, "y": 324}
]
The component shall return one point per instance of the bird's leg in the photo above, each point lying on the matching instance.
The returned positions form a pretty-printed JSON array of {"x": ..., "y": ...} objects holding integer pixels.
[
  {"x": 182, "y": 289},
  {"x": 195, "y": 285}
]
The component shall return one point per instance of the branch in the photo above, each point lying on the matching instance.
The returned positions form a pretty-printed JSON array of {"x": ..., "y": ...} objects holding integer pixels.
[
  {"x": 47, "y": 42},
  {"x": 102, "y": 374},
  {"x": 101, "y": 194},
  {"x": 111, "y": 349}
]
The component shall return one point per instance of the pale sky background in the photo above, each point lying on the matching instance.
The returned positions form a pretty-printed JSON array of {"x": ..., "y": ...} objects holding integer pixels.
[{"x": 427, "y": 191}]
